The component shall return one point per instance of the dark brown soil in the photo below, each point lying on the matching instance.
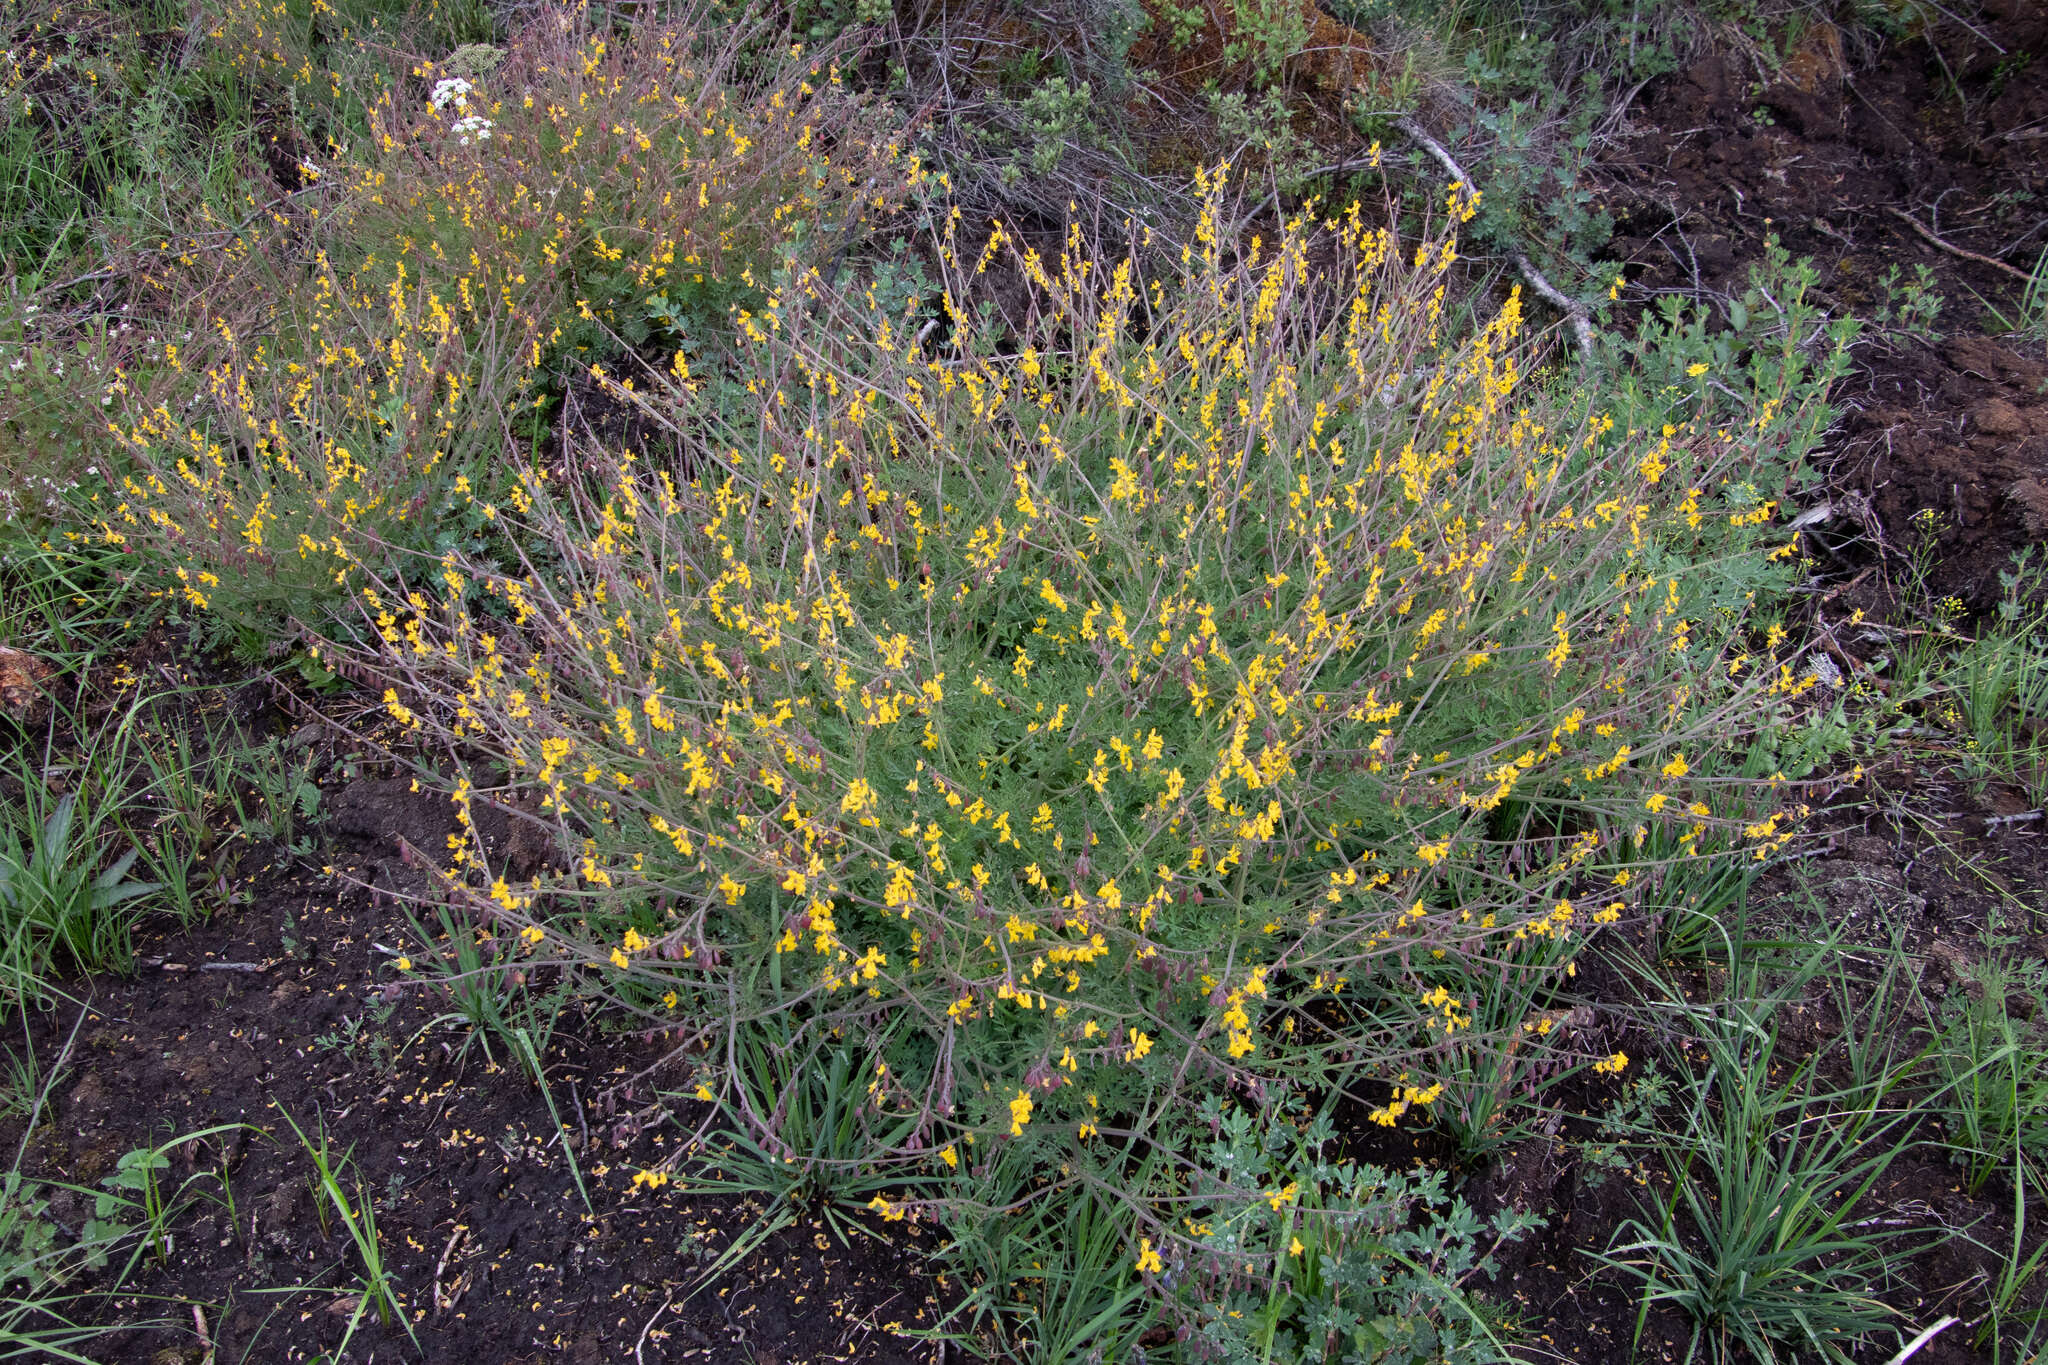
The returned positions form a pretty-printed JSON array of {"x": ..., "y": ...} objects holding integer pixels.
[
  {"x": 292, "y": 1005},
  {"x": 1949, "y": 128}
]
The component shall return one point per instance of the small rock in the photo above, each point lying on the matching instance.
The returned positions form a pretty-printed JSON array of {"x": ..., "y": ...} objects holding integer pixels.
[
  {"x": 22, "y": 676},
  {"x": 1996, "y": 417}
]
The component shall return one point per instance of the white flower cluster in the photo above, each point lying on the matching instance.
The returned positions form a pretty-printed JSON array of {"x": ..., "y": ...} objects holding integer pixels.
[{"x": 454, "y": 90}]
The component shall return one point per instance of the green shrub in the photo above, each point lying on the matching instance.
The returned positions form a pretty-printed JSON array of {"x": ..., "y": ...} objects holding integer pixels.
[
  {"x": 1185, "y": 692},
  {"x": 596, "y": 192}
]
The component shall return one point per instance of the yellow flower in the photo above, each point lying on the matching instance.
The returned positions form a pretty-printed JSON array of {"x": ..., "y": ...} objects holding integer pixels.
[
  {"x": 1677, "y": 767},
  {"x": 1294, "y": 1248},
  {"x": 1140, "y": 1045},
  {"x": 1020, "y": 1113},
  {"x": 703, "y": 1092},
  {"x": 1148, "y": 1259},
  {"x": 404, "y": 964},
  {"x": 950, "y": 1156},
  {"x": 1612, "y": 1066},
  {"x": 620, "y": 960}
]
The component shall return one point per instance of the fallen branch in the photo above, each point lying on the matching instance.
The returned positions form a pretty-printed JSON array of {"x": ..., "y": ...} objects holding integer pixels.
[
  {"x": 1582, "y": 325},
  {"x": 444, "y": 1301},
  {"x": 1952, "y": 249}
]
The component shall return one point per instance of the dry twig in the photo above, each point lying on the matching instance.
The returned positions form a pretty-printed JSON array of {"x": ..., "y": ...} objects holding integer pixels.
[
  {"x": 1582, "y": 325},
  {"x": 1952, "y": 249}
]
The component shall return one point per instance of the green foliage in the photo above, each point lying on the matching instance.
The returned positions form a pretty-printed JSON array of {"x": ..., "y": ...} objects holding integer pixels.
[
  {"x": 59, "y": 907},
  {"x": 1907, "y": 306},
  {"x": 1982, "y": 698},
  {"x": 807, "y": 1120},
  {"x": 1715, "y": 364},
  {"x": 1997, "y": 687},
  {"x": 273, "y": 794},
  {"x": 56, "y": 382},
  {"x": 1760, "y": 1241},
  {"x": 1497, "y": 1077},
  {"x": 1183, "y": 23},
  {"x": 335, "y": 1202},
  {"x": 1260, "y": 123},
  {"x": 1989, "y": 1058},
  {"x": 1047, "y": 1268},
  {"x": 1055, "y": 114},
  {"x": 1356, "y": 1263},
  {"x": 1538, "y": 153},
  {"x": 1264, "y": 34}
]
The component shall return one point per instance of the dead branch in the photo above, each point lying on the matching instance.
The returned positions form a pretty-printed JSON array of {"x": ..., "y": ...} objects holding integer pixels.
[
  {"x": 1952, "y": 249},
  {"x": 1582, "y": 325}
]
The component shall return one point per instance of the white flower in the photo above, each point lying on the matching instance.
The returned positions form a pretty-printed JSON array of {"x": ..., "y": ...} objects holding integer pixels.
[
  {"x": 454, "y": 90},
  {"x": 472, "y": 126}
]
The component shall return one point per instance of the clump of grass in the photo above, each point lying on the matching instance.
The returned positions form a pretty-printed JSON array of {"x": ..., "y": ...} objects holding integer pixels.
[
  {"x": 338, "y": 1200},
  {"x": 1760, "y": 1240},
  {"x": 1994, "y": 1087},
  {"x": 60, "y": 907}
]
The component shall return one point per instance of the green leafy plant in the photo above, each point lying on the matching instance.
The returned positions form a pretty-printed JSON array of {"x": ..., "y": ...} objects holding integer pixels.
[
  {"x": 273, "y": 795},
  {"x": 817, "y": 1124},
  {"x": 1998, "y": 685},
  {"x": 1496, "y": 1076},
  {"x": 1080, "y": 738},
  {"x": 1264, "y": 34},
  {"x": 1048, "y": 1270},
  {"x": 1056, "y": 115},
  {"x": 1359, "y": 1263},
  {"x": 1907, "y": 306}
]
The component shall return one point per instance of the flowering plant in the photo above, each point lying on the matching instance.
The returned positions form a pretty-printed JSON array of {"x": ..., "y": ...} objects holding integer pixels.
[{"x": 1203, "y": 685}]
